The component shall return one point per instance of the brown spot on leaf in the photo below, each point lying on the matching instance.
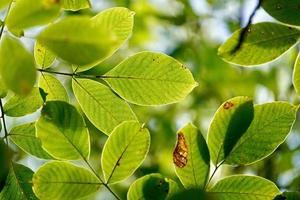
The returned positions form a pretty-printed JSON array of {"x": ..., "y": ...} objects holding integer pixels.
[
  {"x": 227, "y": 105},
  {"x": 181, "y": 151}
]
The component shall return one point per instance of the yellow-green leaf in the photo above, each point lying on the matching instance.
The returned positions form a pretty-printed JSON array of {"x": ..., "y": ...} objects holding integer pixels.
[
  {"x": 24, "y": 136},
  {"x": 229, "y": 123},
  {"x": 53, "y": 88},
  {"x": 101, "y": 106},
  {"x": 191, "y": 157},
  {"x": 75, "y": 5},
  {"x": 263, "y": 42},
  {"x": 63, "y": 132},
  {"x": 150, "y": 78},
  {"x": 16, "y": 66},
  {"x": 18, "y": 106},
  {"x": 241, "y": 187},
  {"x": 64, "y": 181},
  {"x": 77, "y": 40},
  {"x": 43, "y": 56},
  {"x": 29, "y": 13},
  {"x": 124, "y": 151}
]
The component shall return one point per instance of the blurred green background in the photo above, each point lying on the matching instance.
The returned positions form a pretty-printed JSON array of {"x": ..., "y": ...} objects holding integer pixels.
[{"x": 191, "y": 31}]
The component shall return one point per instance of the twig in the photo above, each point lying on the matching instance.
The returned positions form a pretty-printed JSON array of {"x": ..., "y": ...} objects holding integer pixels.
[
  {"x": 3, "y": 122},
  {"x": 96, "y": 174},
  {"x": 244, "y": 30}
]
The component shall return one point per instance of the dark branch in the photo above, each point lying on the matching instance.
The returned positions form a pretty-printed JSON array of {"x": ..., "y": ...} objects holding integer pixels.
[{"x": 244, "y": 30}]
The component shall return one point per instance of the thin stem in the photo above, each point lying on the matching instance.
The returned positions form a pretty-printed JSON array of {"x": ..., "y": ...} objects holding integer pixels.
[
  {"x": 96, "y": 174},
  {"x": 3, "y": 122},
  {"x": 213, "y": 174},
  {"x": 58, "y": 73},
  {"x": 74, "y": 74},
  {"x": 246, "y": 29}
]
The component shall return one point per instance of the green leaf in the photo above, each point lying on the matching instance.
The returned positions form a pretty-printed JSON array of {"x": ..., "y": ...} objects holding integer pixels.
[
  {"x": 24, "y": 136},
  {"x": 284, "y": 11},
  {"x": 263, "y": 43},
  {"x": 43, "y": 56},
  {"x": 4, "y": 163},
  {"x": 19, "y": 73},
  {"x": 119, "y": 22},
  {"x": 62, "y": 131},
  {"x": 150, "y": 78},
  {"x": 4, "y": 3},
  {"x": 18, "y": 106},
  {"x": 271, "y": 124},
  {"x": 243, "y": 187},
  {"x": 296, "y": 75},
  {"x": 152, "y": 186},
  {"x": 101, "y": 106},
  {"x": 229, "y": 123},
  {"x": 18, "y": 184},
  {"x": 124, "y": 151},
  {"x": 77, "y": 40},
  {"x": 191, "y": 157},
  {"x": 53, "y": 88},
  {"x": 29, "y": 13},
  {"x": 75, "y": 5},
  {"x": 64, "y": 181}
]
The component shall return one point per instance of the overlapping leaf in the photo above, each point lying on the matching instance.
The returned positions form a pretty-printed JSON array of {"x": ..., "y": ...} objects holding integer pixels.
[
  {"x": 102, "y": 107},
  {"x": 150, "y": 78},
  {"x": 191, "y": 157},
  {"x": 64, "y": 181},
  {"x": 284, "y": 11},
  {"x": 19, "y": 74},
  {"x": 75, "y": 5},
  {"x": 124, "y": 151},
  {"x": 263, "y": 42},
  {"x": 24, "y": 136},
  {"x": 18, "y": 184},
  {"x": 152, "y": 186},
  {"x": 77, "y": 40},
  {"x": 62, "y": 131},
  {"x": 29, "y": 13},
  {"x": 244, "y": 188},
  {"x": 43, "y": 56},
  {"x": 53, "y": 88},
  {"x": 271, "y": 124},
  {"x": 230, "y": 122},
  {"x": 18, "y": 106}
]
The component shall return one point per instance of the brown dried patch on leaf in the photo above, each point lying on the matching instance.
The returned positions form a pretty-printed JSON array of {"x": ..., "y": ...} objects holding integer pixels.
[
  {"x": 227, "y": 105},
  {"x": 181, "y": 152}
]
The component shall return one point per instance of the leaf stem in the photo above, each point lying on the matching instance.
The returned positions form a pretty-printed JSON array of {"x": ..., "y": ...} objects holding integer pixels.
[
  {"x": 3, "y": 122},
  {"x": 213, "y": 174},
  {"x": 74, "y": 74},
  {"x": 96, "y": 174}
]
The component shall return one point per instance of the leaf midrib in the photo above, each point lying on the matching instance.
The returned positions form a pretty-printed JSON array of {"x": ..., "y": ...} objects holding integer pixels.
[
  {"x": 123, "y": 152},
  {"x": 98, "y": 102},
  {"x": 256, "y": 132}
]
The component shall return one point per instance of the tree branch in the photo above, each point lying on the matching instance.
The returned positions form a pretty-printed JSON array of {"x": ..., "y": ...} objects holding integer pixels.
[{"x": 246, "y": 28}]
